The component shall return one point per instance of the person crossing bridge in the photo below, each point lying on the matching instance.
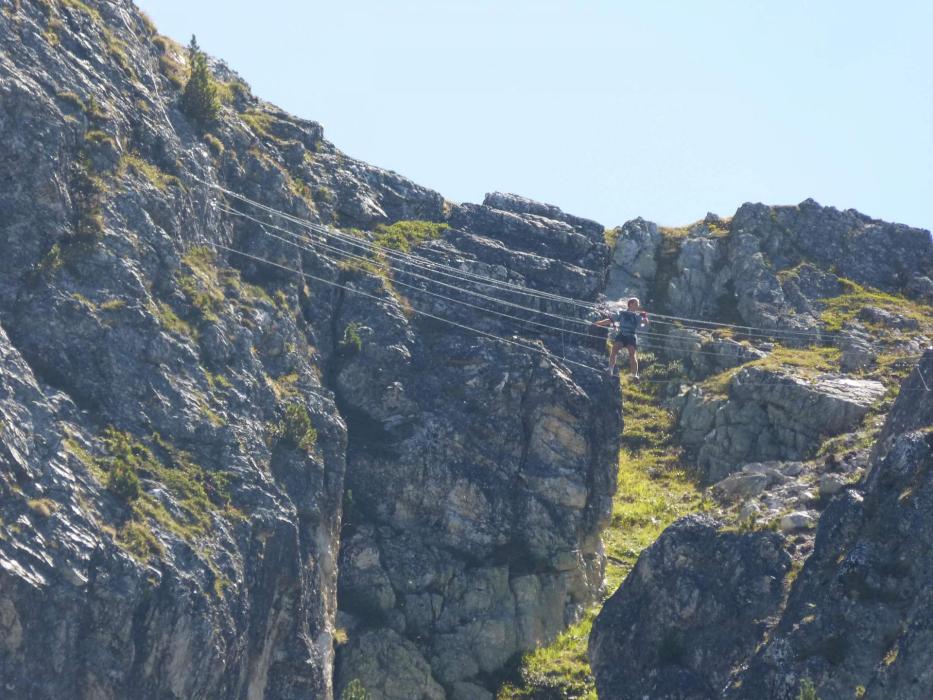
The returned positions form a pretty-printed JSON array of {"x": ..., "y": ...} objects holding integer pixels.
[{"x": 629, "y": 321}]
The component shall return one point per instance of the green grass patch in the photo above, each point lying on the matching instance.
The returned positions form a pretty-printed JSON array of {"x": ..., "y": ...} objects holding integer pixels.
[
  {"x": 217, "y": 381},
  {"x": 653, "y": 487},
  {"x": 118, "y": 51},
  {"x": 161, "y": 180},
  {"x": 229, "y": 92},
  {"x": 148, "y": 25},
  {"x": 837, "y": 311},
  {"x": 98, "y": 137},
  {"x": 215, "y": 144},
  {"x": 82, "y": 7},
  {"x": 171, "y": 64},
  {"x": 258, "y": 122},
  {"x": 52, "y": 30},
  {"x": 202, "y": 286},
  {"x": 113, "y": 305},
  {"x": 198, "y": 494},
  {"x": 560, "y": 669},
  {"x": 138, "y": 540},
  {"x": 72, "y": 99},
  {"x": 169, "y": 320},
  {"x": 805, "y": 362},
  {"x": 405, "y": 235},
  {"x": 285, "y": 387},
  {"x": 209, "y": 413},
  {"x": 86, "y": 458}
]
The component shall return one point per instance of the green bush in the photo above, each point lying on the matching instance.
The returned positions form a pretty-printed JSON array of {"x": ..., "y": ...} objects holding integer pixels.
[
  {"x": 351, "y": 337},
  {"x": 215, "y": 144},
  {"x": 200, "y": 100},
  {"x": 122, "y": 481},
  {"x": 807, "y": 690},
  {"x": 355, "y": 691},
  {"x": 295, "y": 429}
]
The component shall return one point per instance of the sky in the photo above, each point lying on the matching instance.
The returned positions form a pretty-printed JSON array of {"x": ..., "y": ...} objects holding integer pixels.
[{"x": 610, "y": 109}]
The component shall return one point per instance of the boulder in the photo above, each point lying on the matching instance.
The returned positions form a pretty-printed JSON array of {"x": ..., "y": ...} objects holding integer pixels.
[
  {"x": 771, "y": 414},
  {"x": 702, "y": 355},
  {"x": 634, "y": 260},
  {"x": 692, "y": 608},
  {"x": 387, "y": 667},
  {"x": 858, "y": 352},
  {"x": 798, "y": 520}
]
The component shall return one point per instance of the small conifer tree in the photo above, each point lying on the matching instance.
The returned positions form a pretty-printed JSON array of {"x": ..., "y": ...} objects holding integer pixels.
[{"x": 199, "y": 99}]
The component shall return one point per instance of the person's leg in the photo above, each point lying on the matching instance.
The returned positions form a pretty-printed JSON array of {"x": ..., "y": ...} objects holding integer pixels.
[
  {"x": 632, "y": 359},
  {"x": 612, "y": 355}
]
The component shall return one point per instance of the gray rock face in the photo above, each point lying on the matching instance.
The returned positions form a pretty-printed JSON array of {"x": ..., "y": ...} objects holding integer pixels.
[
  {"x": 389, "y": 667},
  {"x": 857, "y": 351},
  {"x": 545, "y": 252},
  {"x": 702, "y": 356},
  {"x": 868, "y": 251},
  {"x": 859, "y": 614},
  {"x": 771, "y": 415},
  {"x": 702, "y": 277},
  {"x": 521, "y": 205},
  {"x": 634, "y": 260},
  {"x": 478, "y": 475},
  {"x": 772, "y": 268},
  {"x": 482, "y": 483},
  {"x": 694, "y": 605}
]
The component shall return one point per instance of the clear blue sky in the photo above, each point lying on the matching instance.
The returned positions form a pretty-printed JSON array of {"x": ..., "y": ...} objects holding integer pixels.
[{"x": 610, "y": 109}]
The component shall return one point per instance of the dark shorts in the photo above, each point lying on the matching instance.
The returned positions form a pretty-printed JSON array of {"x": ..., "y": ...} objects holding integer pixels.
[{"x": 626, "y": 341}]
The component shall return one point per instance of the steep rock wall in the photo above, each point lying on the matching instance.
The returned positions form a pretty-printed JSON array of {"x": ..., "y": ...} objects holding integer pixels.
[{"x": 179, "y": 420}]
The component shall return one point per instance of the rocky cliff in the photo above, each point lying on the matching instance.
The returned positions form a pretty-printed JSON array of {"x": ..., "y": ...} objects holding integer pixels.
[
  {"x": 243, "y": 457},
  {"x": 196, "y": 442}
]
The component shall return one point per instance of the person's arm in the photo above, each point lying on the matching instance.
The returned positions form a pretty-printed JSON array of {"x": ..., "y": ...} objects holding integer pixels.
[
  {"x": 644, "y": 318},
  {"x": 603, "y": 322}
]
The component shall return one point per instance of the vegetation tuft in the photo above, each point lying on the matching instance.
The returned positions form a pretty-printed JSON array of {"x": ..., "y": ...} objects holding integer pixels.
[
  {"x": 200, "y": 100},
  {"x": 43, "y": 507},
  {"x": 405, "y": 235},
  {"x": 202, "y": 286},
  {"x": 355, "y": 691},
  {"x": 161, "y": 180},
  {"x": 294, "y": 429},
  {"x": 128, "y": 463},
  {"x": 351, "y": 337},
  {"x": 839, "y": 310}
]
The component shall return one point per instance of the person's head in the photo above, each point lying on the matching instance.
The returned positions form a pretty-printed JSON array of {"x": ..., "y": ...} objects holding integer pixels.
[{"x": 633, "y": 304}]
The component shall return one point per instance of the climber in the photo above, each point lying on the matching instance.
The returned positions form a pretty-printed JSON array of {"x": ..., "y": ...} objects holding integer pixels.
[{"x": 629, "y": 320}]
